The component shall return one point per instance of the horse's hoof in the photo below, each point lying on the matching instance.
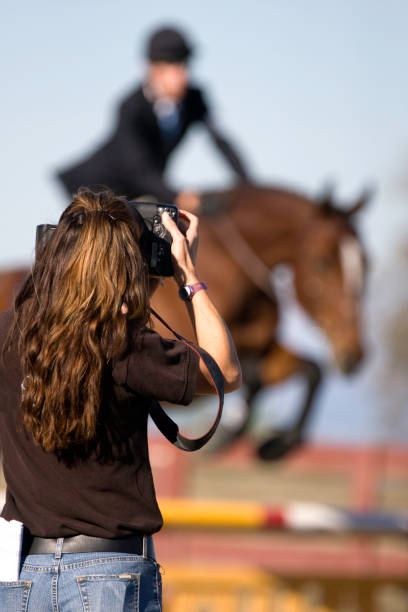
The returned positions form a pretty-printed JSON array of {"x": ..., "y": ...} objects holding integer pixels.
[{"x": 279, "y": 445}]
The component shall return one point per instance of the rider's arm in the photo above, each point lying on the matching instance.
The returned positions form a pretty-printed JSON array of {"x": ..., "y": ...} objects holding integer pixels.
[
  {"x": 201, "y": 112},
  {"x": 227, "y": 150},
  {"x": 211, "y": 331}
]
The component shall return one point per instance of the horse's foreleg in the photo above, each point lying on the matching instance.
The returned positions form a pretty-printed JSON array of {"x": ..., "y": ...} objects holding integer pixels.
[
  {"x": 253, "y": 330},
  {"x": 278, "y": 365},
  {"x": 237, "y": 418}
]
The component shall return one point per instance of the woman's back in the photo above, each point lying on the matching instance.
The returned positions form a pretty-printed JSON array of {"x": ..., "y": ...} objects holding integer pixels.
[{"x": 104, "y": 489}]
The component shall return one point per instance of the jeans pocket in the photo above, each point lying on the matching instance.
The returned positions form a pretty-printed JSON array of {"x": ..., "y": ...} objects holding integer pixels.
[
  {"x": 115, "y": 593},
  {"x": 14, "y": 595}
]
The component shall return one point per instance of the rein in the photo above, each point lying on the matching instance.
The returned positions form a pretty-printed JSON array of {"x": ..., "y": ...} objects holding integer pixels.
[{"x": 246, "y": 258}]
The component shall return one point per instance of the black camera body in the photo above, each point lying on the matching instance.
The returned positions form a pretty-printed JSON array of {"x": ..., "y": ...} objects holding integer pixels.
[{"x": 155, "y": 241}]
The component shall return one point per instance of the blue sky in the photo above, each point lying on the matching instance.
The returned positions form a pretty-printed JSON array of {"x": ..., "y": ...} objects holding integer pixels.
[{"x": 309, "y": 91}]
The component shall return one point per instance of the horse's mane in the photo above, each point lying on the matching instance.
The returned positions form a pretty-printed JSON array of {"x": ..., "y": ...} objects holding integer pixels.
[
  {"x": 274, "y": 189},
  {"x": 323, "y": 203},
  {"x": 281, "y": 189}
]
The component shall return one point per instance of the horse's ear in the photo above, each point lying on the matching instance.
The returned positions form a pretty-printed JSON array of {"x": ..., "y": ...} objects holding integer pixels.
[
  {"x": 365, "y": 197},
  {"x": 325, "y": 198}
]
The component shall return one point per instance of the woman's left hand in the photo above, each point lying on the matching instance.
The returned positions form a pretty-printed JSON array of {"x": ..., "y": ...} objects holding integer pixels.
[{"x": 184, "y": 246}]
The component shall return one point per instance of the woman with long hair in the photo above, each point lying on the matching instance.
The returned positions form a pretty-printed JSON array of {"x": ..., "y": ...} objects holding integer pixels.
[{"x": 79, "y": 369}]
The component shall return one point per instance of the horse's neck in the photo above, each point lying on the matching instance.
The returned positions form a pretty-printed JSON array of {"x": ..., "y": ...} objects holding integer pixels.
[{"x": 272, "y": 222}]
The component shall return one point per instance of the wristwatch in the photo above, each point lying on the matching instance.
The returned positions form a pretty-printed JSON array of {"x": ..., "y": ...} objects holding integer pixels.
[{"x": 186, "y": 292}]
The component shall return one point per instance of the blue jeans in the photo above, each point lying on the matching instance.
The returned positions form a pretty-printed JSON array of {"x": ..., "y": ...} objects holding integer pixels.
[{"x": 84, "y": 582}]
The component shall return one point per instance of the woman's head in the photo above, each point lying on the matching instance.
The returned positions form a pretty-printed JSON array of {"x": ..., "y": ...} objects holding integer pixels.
[
  {"x": 70, "y": 316},
  {"x": 92, "y": 261}
]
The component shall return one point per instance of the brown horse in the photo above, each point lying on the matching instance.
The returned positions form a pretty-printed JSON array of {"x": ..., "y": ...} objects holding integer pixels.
[
  {"x": 246, "y": 233},
  {"x": 10, "y": 283}
]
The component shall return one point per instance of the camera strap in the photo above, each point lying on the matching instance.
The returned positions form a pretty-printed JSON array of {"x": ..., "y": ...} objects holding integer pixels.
[{"x": 162, "y": 420}]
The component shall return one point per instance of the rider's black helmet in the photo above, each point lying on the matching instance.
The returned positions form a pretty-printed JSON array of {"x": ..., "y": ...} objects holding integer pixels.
[{"x": 168, "y": 45}]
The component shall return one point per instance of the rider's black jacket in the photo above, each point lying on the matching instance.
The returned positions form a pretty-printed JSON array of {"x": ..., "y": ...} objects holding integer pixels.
[{"x": 133, "y": 160}]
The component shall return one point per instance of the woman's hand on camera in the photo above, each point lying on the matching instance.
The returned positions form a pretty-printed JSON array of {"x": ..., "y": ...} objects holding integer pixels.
[{"x": 184, "y": 246}]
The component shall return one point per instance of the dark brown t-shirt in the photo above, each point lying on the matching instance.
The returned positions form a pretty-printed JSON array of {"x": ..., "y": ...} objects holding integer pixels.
[{"x": 107, "y": 491}]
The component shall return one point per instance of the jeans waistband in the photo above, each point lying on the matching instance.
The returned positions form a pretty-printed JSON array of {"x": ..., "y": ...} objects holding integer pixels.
[{"x": 133, "y": 544}]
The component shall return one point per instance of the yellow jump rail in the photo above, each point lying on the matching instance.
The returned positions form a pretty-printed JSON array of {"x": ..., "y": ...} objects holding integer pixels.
[{"x": 219, "y": 514}]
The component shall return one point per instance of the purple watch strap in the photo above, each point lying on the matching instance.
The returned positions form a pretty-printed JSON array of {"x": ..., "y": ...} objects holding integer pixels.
[{"x": 186, "y": 292}]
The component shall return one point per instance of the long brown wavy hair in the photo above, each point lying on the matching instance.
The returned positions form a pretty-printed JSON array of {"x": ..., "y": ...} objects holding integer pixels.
[{"x": 69, "y": 316}]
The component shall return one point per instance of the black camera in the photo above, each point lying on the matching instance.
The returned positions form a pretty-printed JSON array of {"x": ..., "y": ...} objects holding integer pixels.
[{"x": 155, "y": 241}]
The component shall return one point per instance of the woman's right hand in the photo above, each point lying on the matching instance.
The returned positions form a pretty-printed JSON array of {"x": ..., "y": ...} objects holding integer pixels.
[
  {"x": 184, "y": 246},
  {"x": 211, "y": 332}
]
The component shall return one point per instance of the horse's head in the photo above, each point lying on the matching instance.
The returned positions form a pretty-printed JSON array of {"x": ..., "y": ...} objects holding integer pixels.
[{"x": 330, "y": 267}]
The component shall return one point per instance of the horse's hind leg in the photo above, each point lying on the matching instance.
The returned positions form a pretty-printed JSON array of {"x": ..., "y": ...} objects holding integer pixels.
[{"x": 276, "y": 366}]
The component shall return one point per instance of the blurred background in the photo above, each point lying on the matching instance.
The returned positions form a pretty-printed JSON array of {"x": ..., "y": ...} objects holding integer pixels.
[{"x": 311, "y": 94}]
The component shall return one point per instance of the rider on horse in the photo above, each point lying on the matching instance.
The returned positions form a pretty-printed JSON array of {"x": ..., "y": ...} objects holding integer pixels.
[{"x": 153, "y": 119}]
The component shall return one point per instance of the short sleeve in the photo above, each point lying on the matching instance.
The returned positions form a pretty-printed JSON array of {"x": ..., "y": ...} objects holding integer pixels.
[{"x": 158, "y": 368}]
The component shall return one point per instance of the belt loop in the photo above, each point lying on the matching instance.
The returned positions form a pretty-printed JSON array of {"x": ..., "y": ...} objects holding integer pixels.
[
  {"x": 144, "y": 547},
  {"x": 58, "y": 548}
]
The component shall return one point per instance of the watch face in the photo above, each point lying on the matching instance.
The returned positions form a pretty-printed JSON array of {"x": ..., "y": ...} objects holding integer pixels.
[{"x": 185, "y": 293}]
